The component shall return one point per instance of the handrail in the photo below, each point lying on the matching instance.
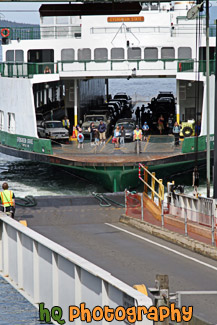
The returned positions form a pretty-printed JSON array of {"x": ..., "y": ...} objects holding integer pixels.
[
  {"x": 160, "y": 193},
  {"x": 193, "y": 65},
  {"x": 28, "y": 69}
]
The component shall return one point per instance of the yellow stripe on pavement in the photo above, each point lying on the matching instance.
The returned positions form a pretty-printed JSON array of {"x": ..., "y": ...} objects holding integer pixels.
[
  {"x": 105, "y": 143},
  {"x": 147, "y": 143}
]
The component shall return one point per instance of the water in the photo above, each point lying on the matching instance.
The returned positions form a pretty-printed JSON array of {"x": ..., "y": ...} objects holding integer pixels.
[
  {"x": 14, "y": 308},
  {"x": 142, "y": 89},
  {"x": 30, "y": 178}
]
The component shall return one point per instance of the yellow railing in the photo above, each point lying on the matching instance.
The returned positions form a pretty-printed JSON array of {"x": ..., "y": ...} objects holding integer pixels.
[{"x": 154, "y": 180}]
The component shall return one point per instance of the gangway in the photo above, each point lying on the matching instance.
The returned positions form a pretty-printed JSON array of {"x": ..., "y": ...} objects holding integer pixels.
[{"x": 151, "y": 201}]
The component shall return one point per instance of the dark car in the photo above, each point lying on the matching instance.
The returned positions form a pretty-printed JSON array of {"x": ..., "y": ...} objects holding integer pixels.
[
  {"x": 166, "y": 97},
  {"x": 124, "y": 99},
  {"x": 129, "y": 126}
]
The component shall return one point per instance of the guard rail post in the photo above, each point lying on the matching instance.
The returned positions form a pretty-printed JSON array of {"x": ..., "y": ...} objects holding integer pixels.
[
  {"x": 186, "y": 223},
  {"x": 161, "y": 202},
  {"x": 213, "y": 229},
  {"x": 160, "y": 191},
  {"x": 146, "y": 181},
  {"x": 125, "y": 201},
  {"x": 153, "y": 185},
  {"x": 142, "y": 211}
]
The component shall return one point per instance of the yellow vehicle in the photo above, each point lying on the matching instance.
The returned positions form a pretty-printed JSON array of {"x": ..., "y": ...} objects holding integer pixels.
[{"x": 188, "y": 129}]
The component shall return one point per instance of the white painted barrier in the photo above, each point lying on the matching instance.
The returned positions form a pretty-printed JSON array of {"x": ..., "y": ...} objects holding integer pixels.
[
  {"x": 197, "y": 209},
  {"x": 49, "y": 273}
]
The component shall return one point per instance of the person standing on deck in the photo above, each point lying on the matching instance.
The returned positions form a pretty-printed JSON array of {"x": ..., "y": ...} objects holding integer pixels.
[
  {"x": 102, "y": 129},
  {"x": 8, "y": 200},
  {"x": 66, "y": 123},
  {"x": 145, "y": 129},
  {"x": 122, "y": 135},
  {"x": 80, "y": 138},
  {"x": 170, "y": 124},
  {"x": 91, "y": 130},
  {"x": 117, "y": 136},
  {"x": 176, "y": 131},
  {"x": 161, "y": 124},
  {"x": 137, "y": 112},
  {"x": 137, "y": 137},
  {"x": 96, "y": 136}
]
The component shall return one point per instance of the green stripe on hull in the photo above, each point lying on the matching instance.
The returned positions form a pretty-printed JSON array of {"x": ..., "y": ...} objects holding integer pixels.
[
  {"x": 117, "y": 179},
  {"x": 26, "y": 143},
  {"x": 194, "y": 144}
]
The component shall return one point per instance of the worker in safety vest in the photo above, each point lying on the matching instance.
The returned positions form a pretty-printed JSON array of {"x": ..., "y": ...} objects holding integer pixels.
[
  {"x": 7, "y": 200},
  {"x": 66, "y": 123},
  {"x": 137, "y": 137}
]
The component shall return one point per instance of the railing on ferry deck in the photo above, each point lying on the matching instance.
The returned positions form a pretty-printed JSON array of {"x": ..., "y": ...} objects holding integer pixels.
[
  {"x": 19, "y": 69},
  {"x": 174, "y": 30},
  {"x": 43, "y": 32},
  {"x": 68, "y": 31},
  {"x": 195, "y": 66},
  {"x": 27, "y": 70},
  {"x": 23, "y": 33}
]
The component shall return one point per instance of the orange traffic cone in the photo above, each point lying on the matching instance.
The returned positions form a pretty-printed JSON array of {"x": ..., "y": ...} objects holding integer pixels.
[{"x": 73, "y": 137}]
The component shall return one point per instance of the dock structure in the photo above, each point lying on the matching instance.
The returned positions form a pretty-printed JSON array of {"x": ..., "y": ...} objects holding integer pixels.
[{"x": 95, "y": 234}]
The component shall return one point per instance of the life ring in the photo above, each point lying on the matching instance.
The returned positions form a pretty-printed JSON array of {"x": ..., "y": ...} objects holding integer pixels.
[
  {"x": 180, "y": 66},
  {"x": 187, "y": 131},
  {"x": 3, "y": 30}
]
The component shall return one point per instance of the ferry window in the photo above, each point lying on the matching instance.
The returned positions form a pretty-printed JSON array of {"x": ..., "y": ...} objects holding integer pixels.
[
  {"x": 67, "y": 54},
  {"x": 101, "y": 54},
  {"x": 64, "y": 20},
  {"x": 75, "y": 20},
  {"x": 184, "y": 53},
  {"x": 145, "y": 6},
  {"x": 62, "y": 31},
  {"x": 151, "y": 53},
  {"x": 1, "y": 120},
  {"x": 39, "y": 56},
  {"x": 10, "y": 56},
  {"x": 84, "y": 55},
  {"x": 117, "y": 53},
  {"x": 154, "y": 5},
  {"x": 134, "y": 53},
  {"x": 19, "y": 56},
  {"x": 167, "y": 53},
  {"x": 47, "y": 20},
  {"x": 11, "y": 122}
]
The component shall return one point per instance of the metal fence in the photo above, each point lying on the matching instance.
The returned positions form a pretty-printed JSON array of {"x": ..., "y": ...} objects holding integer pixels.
[
  {"x": 194, "y": 211},
  {"x": 47, "y": 272}
]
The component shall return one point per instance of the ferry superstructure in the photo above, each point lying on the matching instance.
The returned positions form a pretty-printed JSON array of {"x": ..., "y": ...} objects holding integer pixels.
[{"x": 80, "y": 53}]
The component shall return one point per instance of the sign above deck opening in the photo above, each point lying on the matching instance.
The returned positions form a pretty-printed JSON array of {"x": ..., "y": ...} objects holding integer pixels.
[{"x": 124, "y": 19}]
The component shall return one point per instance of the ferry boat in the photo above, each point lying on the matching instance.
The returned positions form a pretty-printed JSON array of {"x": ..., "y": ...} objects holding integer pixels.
[{"x": 65, "y": 66}]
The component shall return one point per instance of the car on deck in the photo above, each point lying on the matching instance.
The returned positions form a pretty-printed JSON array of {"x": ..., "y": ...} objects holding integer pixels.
[
  {"x": 165, "y": 97},
  {"x": 53, "y": 130},
  {"x": 95, "y": 118},
  {"x": 129, "y": 125},
  {"x": 124, "y": 99}
]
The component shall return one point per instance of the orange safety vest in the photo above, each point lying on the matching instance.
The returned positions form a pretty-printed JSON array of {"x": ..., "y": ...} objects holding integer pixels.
[
  {"x": 138, "y": 134},
  {"x": 7, "y": 198}
]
